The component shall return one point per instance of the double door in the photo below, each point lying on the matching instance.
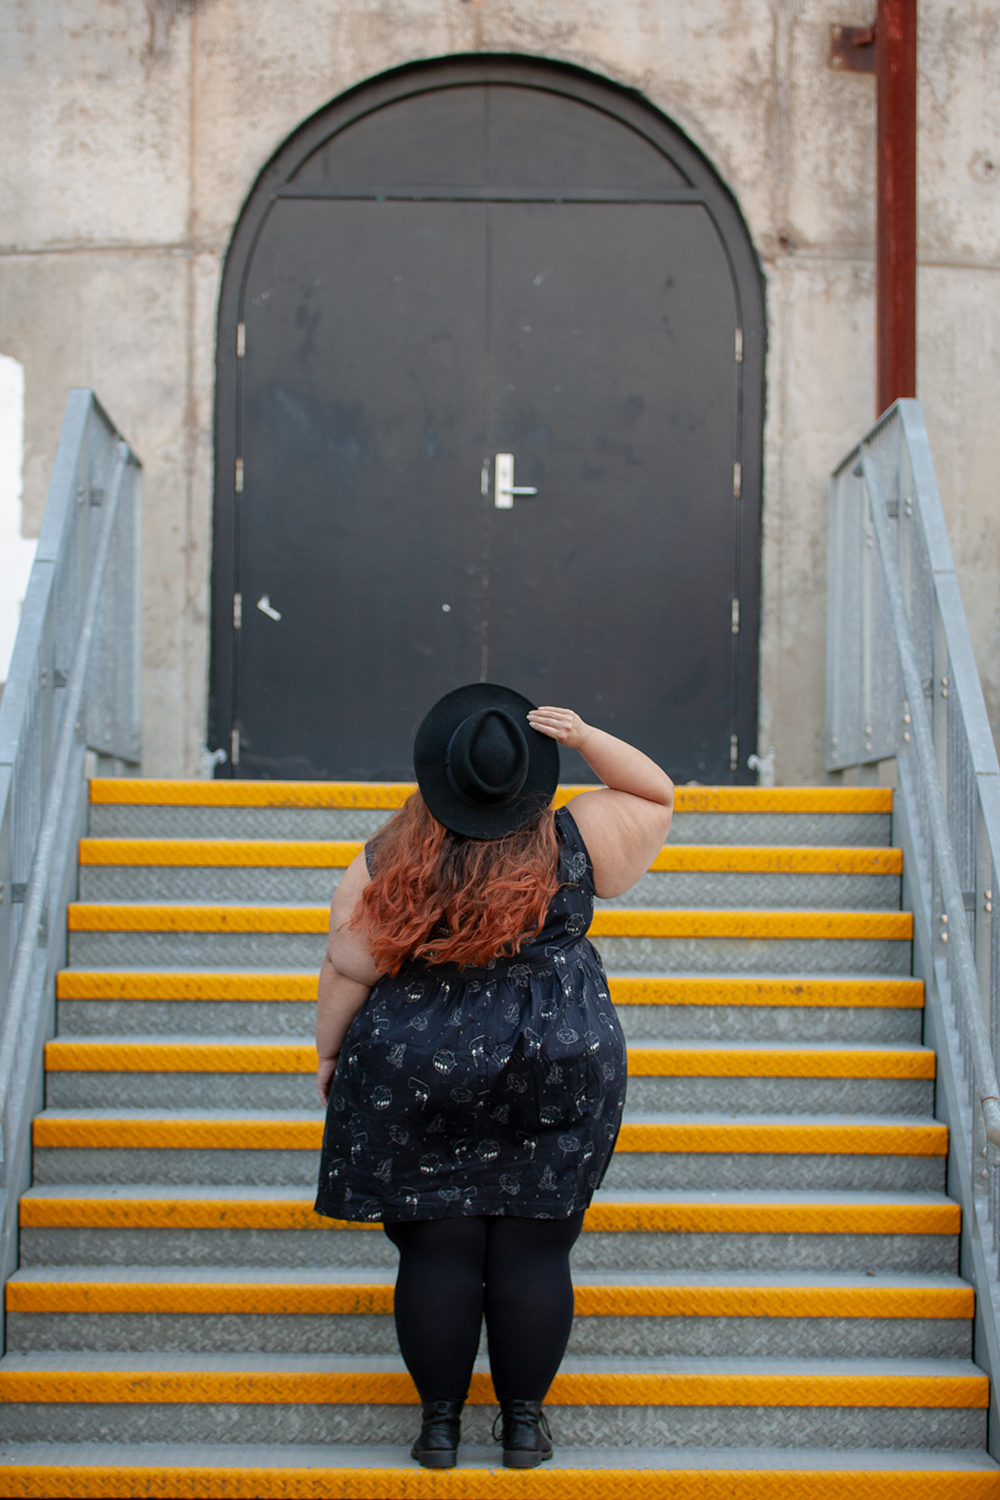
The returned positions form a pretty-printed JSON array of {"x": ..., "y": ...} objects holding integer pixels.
[{"x": 397, "y": 356}]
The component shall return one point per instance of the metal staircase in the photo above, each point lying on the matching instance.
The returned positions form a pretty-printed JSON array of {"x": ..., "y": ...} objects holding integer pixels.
[
  {"x": 767, "y": 1284},
  {"x": 787, "y": 1285}
]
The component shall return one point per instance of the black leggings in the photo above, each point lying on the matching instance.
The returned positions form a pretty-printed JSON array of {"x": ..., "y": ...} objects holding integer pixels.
[{"x": 452, "y": 1271}]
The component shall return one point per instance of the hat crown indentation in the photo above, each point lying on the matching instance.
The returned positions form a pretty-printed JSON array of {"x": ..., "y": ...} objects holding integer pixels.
[{"x": 487, "y": 758}]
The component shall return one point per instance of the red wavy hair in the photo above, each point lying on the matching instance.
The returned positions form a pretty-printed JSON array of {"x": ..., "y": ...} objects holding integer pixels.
[{"x": 443, "y": 898}]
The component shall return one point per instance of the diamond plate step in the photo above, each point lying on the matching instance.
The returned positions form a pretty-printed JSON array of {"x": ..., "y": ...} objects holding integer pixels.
[
  {"x": 278, "y": 1074},
  {"x": 653, "y": 941},
  {"x": 233, "y": 1309},
  {"x": 301, "y": 871},
  {"x": 745, "y": 1232},
  {"x": 304, "y": 1472},
  {"x": 299, "y": 1398},
  {"x": 122, "y": 808},
  {"x": 131, "y": 1003},
  {"x": 653, "y": 1151}
]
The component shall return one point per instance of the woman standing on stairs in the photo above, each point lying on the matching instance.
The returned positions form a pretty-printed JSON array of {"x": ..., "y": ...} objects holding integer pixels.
[{"x": 470, "y": 1058}]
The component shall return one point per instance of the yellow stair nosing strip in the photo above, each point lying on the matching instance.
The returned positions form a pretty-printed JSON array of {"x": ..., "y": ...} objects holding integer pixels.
[
  {"x": 273, "y": 1299},
  {"x": 695, "y": 1061},
  {"x": 67, "y": 1212},
  {"x": 179, "y": 916},
  {"x": 201, "y": 1482},
  {"x": 338, "y": 853},
  {"x": 791, "y": 1140},
  {"x": 373, "y": 794},
  {"x": 468, "y": 1482},
  {"x": 253, "y": 853},
  {"x": 172, "y": 1134},
  {"x": 778, "y": 859},
  {"x": 125, "y": 984},
  {"x": 141, "y": 1387},
  {"x": 691, "y": 1061},
  {"x": 151, "y": 791},
  {"x": 757, "y": 925},
  {"x": 608, "y": 922}
]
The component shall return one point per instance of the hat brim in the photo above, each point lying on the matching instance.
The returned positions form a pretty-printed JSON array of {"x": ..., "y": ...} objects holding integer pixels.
[{"x": 432, "y": 739}]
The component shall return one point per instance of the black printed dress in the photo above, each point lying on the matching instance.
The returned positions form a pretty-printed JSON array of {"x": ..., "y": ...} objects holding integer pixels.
[{"x": 482, "y": 1091}]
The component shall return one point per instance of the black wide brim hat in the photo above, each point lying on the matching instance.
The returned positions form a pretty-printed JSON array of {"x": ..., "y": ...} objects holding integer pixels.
[{"x": 481, "y": 768}]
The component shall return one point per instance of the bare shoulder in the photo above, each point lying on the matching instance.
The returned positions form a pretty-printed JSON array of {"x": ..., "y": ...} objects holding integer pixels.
[
  {"x": 623, "y": 834},
  {"x": 347, "y": 947},
  {"x": 348, "y": 892}
]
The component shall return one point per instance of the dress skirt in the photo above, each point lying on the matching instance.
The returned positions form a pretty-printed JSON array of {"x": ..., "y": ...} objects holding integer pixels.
[{"x": 482, "y": 1091}]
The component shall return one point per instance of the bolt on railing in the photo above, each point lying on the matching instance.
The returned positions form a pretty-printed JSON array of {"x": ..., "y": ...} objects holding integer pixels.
[{"x": 73, "y": 689}]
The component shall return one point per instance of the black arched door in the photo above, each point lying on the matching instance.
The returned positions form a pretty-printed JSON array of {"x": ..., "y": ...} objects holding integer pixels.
[{"x": 463, "y": 282}]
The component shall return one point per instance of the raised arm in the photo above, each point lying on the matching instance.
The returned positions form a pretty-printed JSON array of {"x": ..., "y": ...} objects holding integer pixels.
[
  {"x": 625, "y": 822},
  {"x": 346, "y": 976}
]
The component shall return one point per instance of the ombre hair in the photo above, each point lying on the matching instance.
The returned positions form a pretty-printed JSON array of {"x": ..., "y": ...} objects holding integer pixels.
[{"x": 443, "y": 898}]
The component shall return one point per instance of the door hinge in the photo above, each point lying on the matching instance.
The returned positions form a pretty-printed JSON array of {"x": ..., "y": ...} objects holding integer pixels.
[
  {"x": 735, "y": 617},
  {"x": 239, "y": 476},
  {"x": 237, "y": 611},
  {"x": 234, "y": 747},
  {"x": 739, "y": 346},
  {"x": 737, "y": 479},
  {"x": 734, "y": 751},
  {"x": 241, "y": 340}
]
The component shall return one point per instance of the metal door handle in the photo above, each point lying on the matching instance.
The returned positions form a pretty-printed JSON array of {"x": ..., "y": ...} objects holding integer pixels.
[{"x": 504, "y": 488}]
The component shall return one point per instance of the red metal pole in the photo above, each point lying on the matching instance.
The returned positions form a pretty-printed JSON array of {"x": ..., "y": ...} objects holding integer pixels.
[{"x": 896, "y": 218}]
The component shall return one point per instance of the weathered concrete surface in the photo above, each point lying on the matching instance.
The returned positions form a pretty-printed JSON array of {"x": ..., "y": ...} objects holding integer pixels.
[{"x": 133, "y": 132}]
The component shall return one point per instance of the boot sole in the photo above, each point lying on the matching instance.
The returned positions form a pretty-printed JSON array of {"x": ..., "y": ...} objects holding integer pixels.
[
  {"x": 444, "y": 1459},
  {"x": 516, "y": 1458}
]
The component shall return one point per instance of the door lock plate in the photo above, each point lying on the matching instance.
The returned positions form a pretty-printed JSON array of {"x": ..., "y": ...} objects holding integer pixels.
[{"x": 504, "y": 488}]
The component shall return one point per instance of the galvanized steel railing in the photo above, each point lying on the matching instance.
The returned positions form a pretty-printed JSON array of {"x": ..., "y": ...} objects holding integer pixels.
[
  {"x": 902, "y": 684},
  {"x": 72, "y": 696}
]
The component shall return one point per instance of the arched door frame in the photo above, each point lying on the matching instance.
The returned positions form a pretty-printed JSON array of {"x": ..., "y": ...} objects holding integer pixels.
[{"x": 705, "y": 187}]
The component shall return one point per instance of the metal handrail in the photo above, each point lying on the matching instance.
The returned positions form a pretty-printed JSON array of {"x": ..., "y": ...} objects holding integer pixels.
[
  {"x": 903, "y": 688},
  {"x": 984, "y": 1070},
  {"x": 70, "y": 708},
  {"x": 59, "y": 786}
]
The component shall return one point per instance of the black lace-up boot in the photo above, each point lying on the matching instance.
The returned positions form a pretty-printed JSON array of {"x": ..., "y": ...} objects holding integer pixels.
[
  {"x": 525, "y": 1434},
  {"x": 441, "y": 1428}
]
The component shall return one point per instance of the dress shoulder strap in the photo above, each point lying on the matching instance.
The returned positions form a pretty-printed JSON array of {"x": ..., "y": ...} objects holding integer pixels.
[{"x": 371, "y": 856}]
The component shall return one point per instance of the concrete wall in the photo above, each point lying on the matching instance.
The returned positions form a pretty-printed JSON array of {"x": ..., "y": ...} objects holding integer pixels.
[{"x": 133, "y": 130}]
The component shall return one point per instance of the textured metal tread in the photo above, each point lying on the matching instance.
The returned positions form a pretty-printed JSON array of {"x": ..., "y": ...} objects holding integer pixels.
[
  {"x": 300, "y": 1472},
  {"x": 140, "y": 1207},
  {"x": 346, "y": 1457},
  {"x": 792, "y": 859},
  {"x": 668, "y": 1059},
  {"x": 294, "y": 1130},
  {"x": 267, "y": 985},
  {"x": 906, "y": 1282},
  {"x": 390, "y": 794},
  {"x": 651, "y": 1059},
  {"x": 59, "y": 1361},
  {"x": 111, "y": 1378},
  {"x": 179, "y": 916},
  {"x": 233, "y": 1290}
]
